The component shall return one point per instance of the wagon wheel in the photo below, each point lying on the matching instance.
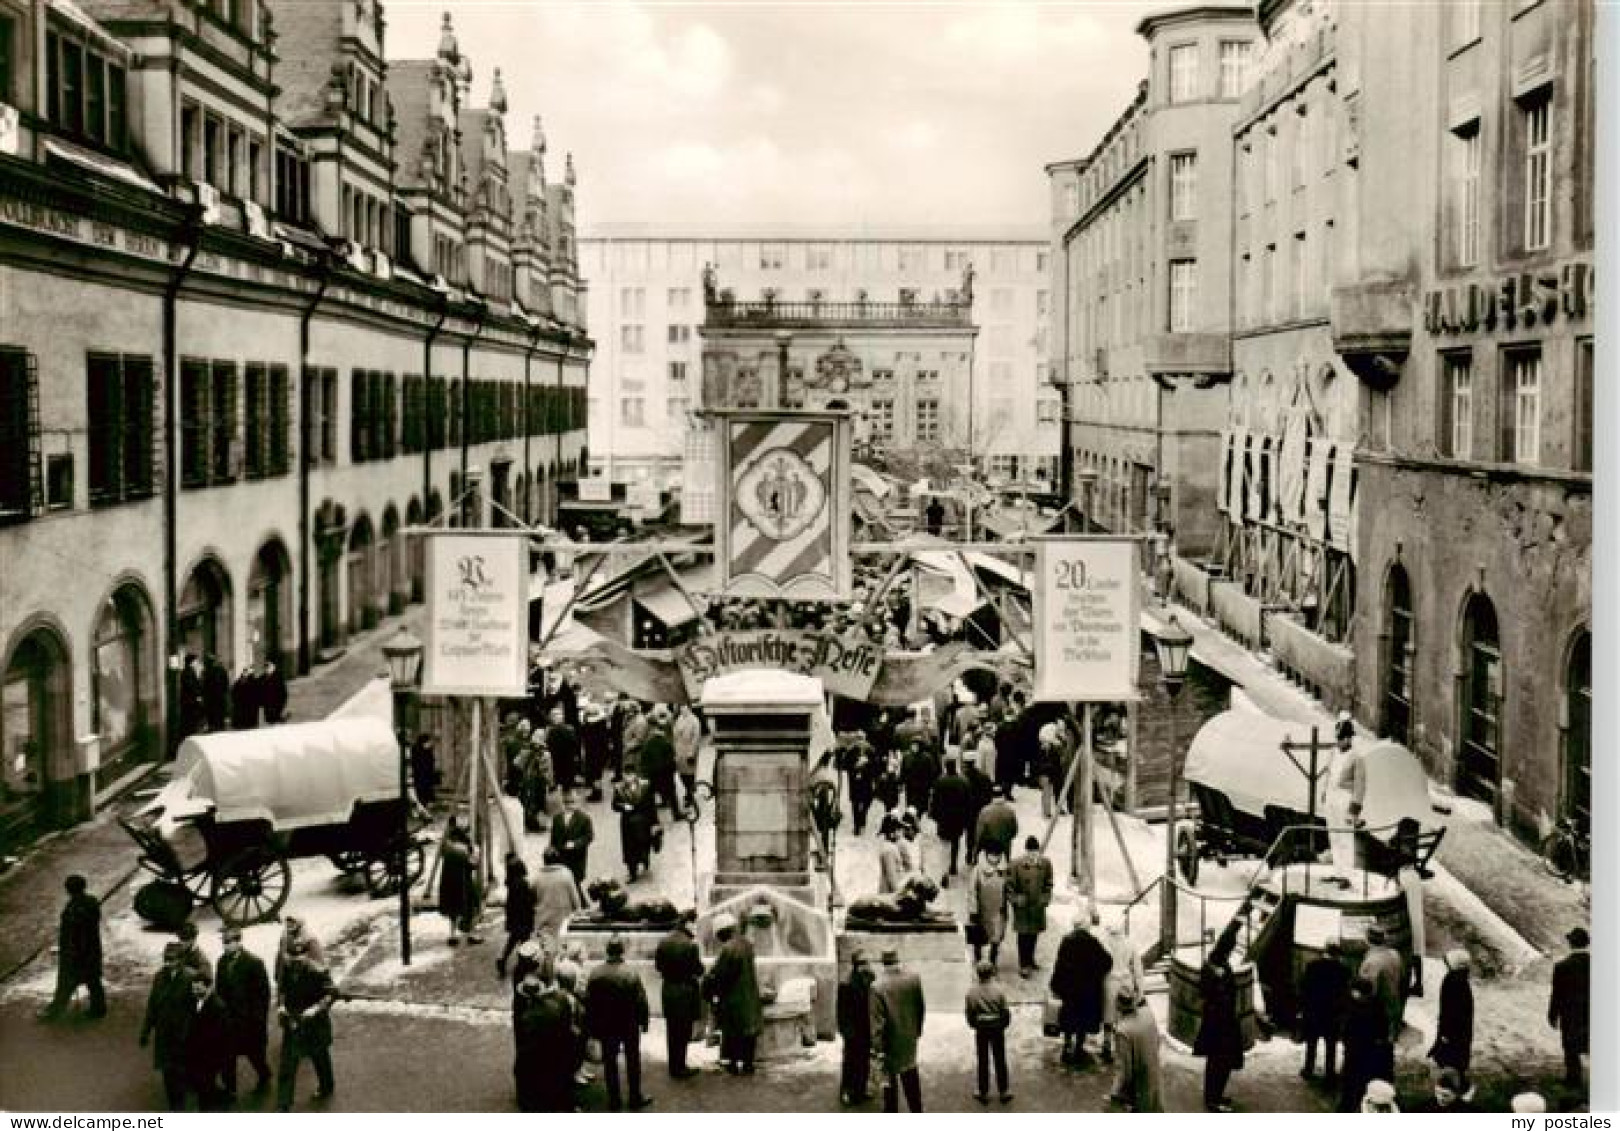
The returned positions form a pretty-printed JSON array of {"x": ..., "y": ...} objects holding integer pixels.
[
  {"x": 251, "y": 887},
  {"x": 198, "y": 883},
  {"x": 349, "y": 861},
  {"x": 382, "y": 870},
  {"x": 1187, "y": 854}
]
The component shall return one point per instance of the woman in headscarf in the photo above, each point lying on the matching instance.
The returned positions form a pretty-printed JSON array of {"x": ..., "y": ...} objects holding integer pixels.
[{"x": 988, "y": 904}]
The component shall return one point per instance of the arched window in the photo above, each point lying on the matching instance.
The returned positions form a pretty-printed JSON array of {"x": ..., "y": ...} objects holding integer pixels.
[
  {"x": 1576, "y": 802},
  {"x": 205, "y": 613},
  {"x": 269, "y": 605},
  {"x": 1399, "y": 648},
  {"x": 415, "y": 548},
  {"x": 362, "y": 574},
  {"x": 123, "y": 672},
  {"x": 1479, "y": 760},
  {"x": 35, "y": 728}
]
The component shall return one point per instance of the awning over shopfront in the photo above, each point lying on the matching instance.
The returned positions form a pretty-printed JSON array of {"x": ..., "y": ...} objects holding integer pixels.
[{"x": 668, "y": 604}]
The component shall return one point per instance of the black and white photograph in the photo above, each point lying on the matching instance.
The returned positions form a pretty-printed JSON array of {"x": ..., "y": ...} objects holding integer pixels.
[{"x": 713, "y": 556}]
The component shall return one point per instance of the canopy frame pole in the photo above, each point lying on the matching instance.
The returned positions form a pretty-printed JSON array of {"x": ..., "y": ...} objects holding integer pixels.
[
  {"x": 984, "y": 591},
  {"x": 698, "y": 611},
  {"x": 573, "y": 599}
]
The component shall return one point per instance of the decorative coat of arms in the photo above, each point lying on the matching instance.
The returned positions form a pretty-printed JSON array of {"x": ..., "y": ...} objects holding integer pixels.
[{"x": 781, "y": 494}]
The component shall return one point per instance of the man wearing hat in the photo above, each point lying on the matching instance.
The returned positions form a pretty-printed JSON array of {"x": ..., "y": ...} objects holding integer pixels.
[
  {"x": 657, "y": 762},
  {"x": 989, "y": 1016},
  {"x": 950, "y": 806},
  {"x": 680, "y": 964},
  {"x": 891, "y": 860},
  {"x": 167, "y": 1024},
  {"x": 1383, "y": 967},
  {"x": 307, "y": 997},
  {"x": 293, "y": 931},
  {"x": 998, "y": 826},
  {"x": 732, "y": 984},
  {"x": 855, "y": 1030},
  {"x": 1380, "y": 1099},
  {"x": 1569, "y": 1008},
  {"x": 243, "y": 985},
  {"x": 572, "y": 834},
  {"x": 1136, "y": 1051},
  {"x": 1324, "y": 988},
  {"x": 1453, "y": 1047},
  {"x": 616, "y": 1014},
  {"x": 545, "y": 1026},
  {"x": 898, "y": 1012},
  {"x": 1347, "y": 774}
]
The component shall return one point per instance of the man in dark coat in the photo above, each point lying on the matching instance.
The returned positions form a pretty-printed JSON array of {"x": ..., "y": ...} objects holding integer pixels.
[
  {"x": 563, "y": 742},
  {"x": 981, "y": 791},
  {"x": 1220, "y": 1034},
  {"x": 78, "y": 951},
  {"x": 998, "y": 826},
  {"x": 1030, "y": 882},
  {"x": 216, "y": 693},
  {"x": 920, "y": 769},
  {"x": 243, "y": 985},
  {"x": 680, "y": 964},
  {"x": 207, "y": 1044},
  {"x": 571, "y": 835},
  {"x": 1383, "y": 966},
  {"x": 952, "y": 801},
  {"x": 193, "y": 711},
  {"x": 1078, "y": 978},
  {"x": 855, "y": 1031},
  {"x": 657, "y": 762},
  {"x": 424, "y": 770},
  {"x": 245, "y": 700},
  {"x": 1453, "y": 1046},
  {"x": 1368, "y": 1053},
  {"x": 898, "y": 1013},
  {"x": 616, "y": 1014},
  {"x": 595, "y": 747},
  {"x": 1569, "y": 1008},
  {"x": 732, "y": 984},
  {"x": 858, "y": 760},
  {"x": 520, "y": 909},
  {"x": 307, "y": 997},
  {"x": 637, "y": 808},
  {"x": 273, "y": 694},
  {"x": 167, "y": 1024},
  {"x": 1324, "y": 989},
  {"x": 545, "y": 1033}
]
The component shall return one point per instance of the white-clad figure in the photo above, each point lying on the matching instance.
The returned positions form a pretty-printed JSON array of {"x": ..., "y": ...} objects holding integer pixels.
[{"x": 1347, "y": 792}]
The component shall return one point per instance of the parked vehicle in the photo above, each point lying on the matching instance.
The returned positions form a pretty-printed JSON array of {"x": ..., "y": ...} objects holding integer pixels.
[{"x": 242, "y": 804}]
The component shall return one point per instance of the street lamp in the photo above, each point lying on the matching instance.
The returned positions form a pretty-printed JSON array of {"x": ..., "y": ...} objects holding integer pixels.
[
  {"x": 404, "y": 656},
  {"x": 1173, "y": 645}
]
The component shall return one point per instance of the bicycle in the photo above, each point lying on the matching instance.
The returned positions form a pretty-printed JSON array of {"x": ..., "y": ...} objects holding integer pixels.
[{"x": 1567, "y": 851}]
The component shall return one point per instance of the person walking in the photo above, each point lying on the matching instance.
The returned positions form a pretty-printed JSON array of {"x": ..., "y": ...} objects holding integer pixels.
[
  {"x": 556, "y": 897},
  {"x": 855, "y": 1031},
  {"x": 860, "y": 763},
  {"x": 459, "y": 897},
  {"x": 616, "y": 1014},
  {"x": 989, "y": 1016},
  {"x": 680, "y": 965},
  {"x": 572, "y": 834},
  {"x": 1324, "y": 991},
  {"x": 216, "y": 693},
  {"x": 732, "y": 985},
  {"x": 920, "y": 769},
  {"x": 243, "y": 985},
  {"x": 520, "y": 909},
  {"x": 562, "y": 739},
  {"x": 1137, "y": 1082},
  {"x": 596, "y": 746},
  {"x": 1569, "y": 1007},
  {"x": 1030, "y": 882},
  {"x": 952, "y": 801},
  {"x": 307, "y": 997},
  {"x": 273, "y": 695},
  {"x": 166, "y": 1027},
  {"x": 898, "y": 1013},
  {"x": 1368, "y": 1052},
  {"x": 1220, "y": 1034},
  {"x": 207, "y": 1045},
  {"x": 1078, "y": 977},
  {"x": 981, "y": 791},
  {"x": 657, "y": 763},
  {"x": 1454, "y": 1027},
  {"x": 1383, "y": 967},
  {"x": 293, "y": 931},
  {"x": 545, "y": 1035},
  {"x": 998, "y": 825},
  {"x": 987, "y": 906},
  {"x": 78, "y": 951},
  {"x": 687, "y": 736},
  {"x": 1124, "y": 977},
  {"x": 637, "y": 808}
]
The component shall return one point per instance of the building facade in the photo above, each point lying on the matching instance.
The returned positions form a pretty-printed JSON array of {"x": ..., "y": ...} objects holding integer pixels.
[
  {"x": 649, "y": 305},
  {"x": 1466, "y": 314},
  {"x": 1141, "y": 253},
  {"x": 231, "y": 373}
]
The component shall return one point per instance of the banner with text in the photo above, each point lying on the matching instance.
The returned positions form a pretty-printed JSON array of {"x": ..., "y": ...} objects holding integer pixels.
[
  {"x": 1087, "y": 626},
  {"x": 844, "y": 667},
  {"x": 477, "y": 615}
]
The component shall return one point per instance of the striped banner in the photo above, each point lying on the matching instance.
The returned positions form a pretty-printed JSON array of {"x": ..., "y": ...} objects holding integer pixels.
[{"x": 787, "y": 514}]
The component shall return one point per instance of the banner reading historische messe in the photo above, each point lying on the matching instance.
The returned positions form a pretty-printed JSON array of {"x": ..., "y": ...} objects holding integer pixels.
[
  {"x": 477, "y": 615},
  {"x": 1087, "y": 620}
]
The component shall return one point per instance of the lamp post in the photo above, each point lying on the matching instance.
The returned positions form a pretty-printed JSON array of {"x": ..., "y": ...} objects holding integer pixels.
[
  {"x": 404, "y": 656},
  {"x": 1173, "y": 645}
]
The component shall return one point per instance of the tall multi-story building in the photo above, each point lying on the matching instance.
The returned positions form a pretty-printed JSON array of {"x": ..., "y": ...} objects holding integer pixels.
[
  {"x": 1465, "y": 310},
  {"x": 649, "y": 304},
  {"x": 1141, "y": 263},
  {"x": 1286, "y": 487},
  {"x": 241, "y": 351}
]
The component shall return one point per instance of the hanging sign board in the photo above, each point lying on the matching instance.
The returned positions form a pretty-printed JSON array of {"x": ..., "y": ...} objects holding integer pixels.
[
  {"x": 1087, "y": 620},
  {"x": 477, "y": 615},
  {"x": 844, "y": 667}
]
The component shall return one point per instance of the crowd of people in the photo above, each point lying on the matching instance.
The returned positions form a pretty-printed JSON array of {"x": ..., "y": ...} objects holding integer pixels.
[{"x": 211, "y": 701}]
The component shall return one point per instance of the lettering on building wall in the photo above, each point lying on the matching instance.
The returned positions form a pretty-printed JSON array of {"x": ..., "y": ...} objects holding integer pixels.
[{"x": 1517, "y": 302}]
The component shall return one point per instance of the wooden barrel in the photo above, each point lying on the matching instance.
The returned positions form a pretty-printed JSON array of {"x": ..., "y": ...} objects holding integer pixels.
[
  {"x": 1325, "y": 914},
  {"x": 1186, "y": 1003}
]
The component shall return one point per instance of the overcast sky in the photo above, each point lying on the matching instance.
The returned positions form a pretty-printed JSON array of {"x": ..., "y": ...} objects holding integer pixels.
[{"x": 819, "y": 111}]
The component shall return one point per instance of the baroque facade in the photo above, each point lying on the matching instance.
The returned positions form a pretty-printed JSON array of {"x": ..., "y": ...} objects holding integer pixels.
[
  {"x": 266, "y": 300},
  {"x": 649, "y": 306}
]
